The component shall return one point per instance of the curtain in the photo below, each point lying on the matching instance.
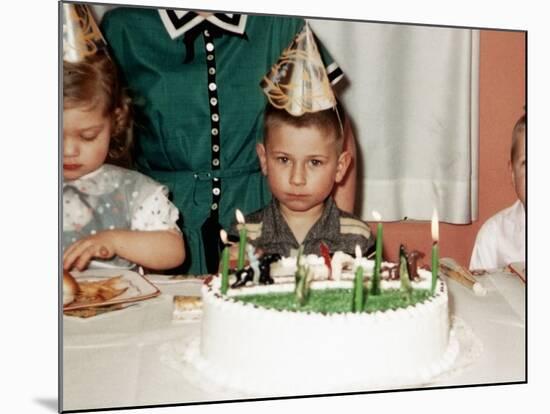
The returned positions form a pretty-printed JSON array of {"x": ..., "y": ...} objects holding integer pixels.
[{"x": 411, "y": 93}]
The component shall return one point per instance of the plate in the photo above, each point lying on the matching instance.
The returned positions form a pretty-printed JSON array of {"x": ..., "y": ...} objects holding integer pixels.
[
  {"x": 137, "y": 287},
  {"x": 174, "y": 279},
  {"x": 518, "y": 268}
]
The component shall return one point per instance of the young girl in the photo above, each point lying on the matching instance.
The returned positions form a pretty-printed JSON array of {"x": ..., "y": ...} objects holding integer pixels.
[{"x": 111, "y": 216}]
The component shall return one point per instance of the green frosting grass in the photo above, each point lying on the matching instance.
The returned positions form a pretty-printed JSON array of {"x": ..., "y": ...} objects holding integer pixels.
[{"x": 336, "y": 300}]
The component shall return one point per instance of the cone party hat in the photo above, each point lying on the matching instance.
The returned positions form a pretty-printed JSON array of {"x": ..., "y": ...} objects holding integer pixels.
[
  {"x": 298, "y": 82},
  {"x": 81, "y": 35}
]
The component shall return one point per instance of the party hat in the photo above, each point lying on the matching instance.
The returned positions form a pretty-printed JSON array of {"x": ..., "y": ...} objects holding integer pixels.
[
  {"x": 298, "y": 82},
  {"x": 81, "y": 36}
]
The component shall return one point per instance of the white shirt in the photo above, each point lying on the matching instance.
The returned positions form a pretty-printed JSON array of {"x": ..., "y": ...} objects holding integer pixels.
[{"x": 501, "y": 239}]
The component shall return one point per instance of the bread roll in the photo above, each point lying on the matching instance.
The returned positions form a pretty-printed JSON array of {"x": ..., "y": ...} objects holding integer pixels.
[{"x": 70, "y": 288}]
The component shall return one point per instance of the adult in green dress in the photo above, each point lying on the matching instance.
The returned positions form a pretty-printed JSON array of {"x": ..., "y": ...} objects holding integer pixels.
[{"x": 194, "y": 80}]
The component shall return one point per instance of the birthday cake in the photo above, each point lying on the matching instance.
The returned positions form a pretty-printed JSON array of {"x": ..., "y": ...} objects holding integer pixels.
[{"x": 257, "y": 339}]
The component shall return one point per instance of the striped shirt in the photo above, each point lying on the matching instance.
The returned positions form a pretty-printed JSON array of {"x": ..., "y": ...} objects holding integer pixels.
[{"x": 268, "y": 230}]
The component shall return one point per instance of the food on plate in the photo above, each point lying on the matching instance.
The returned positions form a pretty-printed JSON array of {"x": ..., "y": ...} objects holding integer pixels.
[
  {"x": 101, "y": 290},
  {"x": 70, "y": 288},
  {"x": 91, "y": 291}
]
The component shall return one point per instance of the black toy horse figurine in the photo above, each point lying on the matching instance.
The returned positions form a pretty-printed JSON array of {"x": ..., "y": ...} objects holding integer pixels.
[{"x": 265, "y": 268}]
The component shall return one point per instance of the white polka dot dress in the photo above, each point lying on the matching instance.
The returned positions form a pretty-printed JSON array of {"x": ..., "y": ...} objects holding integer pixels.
[{"x": 115, "y": 198}]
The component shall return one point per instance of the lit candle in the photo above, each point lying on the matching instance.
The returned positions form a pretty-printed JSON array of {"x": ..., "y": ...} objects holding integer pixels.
[
  {"x": 358, "y": 283},
  {"x": 242, "y": 239},
  {"x": 375, "y": 286},
  {"x": 225, "y": 262},
  {"x": 435, "y": 249}
]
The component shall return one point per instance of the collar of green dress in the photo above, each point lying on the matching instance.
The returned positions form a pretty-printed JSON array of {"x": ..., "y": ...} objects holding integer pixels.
[{"x": 178, "y": 22}]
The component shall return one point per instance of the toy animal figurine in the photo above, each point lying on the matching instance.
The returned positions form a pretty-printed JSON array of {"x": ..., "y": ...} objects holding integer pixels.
[
  {"x": 392, "y": 270},
  {"x": 265, "y": 268},
  {"x": 412, "y": 259},
  {"x": 254, "y": 263},
  {"x": 340, "y": 260},
  {"x": 243, "y": 276},
  {"x": 325, "y": 254}
]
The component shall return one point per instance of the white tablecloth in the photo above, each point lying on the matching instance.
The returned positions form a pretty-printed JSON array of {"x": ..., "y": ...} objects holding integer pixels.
[{"x": 113, "y": 360}]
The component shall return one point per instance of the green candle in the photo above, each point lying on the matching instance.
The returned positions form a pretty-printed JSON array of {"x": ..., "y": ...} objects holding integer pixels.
[
  {"x": 358, "y": 290},
  {"x": 358, "y": 287},
  {"x": 225, "y": 263},
  {"x": 435, "y": 264},
  {"x": 302, "y": 279},
  {"x": 375, "y": 286},
  {"x": 435, "y": 249},
  {"x": 242, "y": 239},
  {"x": 302, "y": 287}
]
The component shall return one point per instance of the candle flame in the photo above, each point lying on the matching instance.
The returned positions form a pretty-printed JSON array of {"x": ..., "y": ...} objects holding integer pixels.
[
  {"x": 223, "y": 236},
  {"x": 358, "y": 253},
  {"x": 239, "y": 215},
  {"x": 376, "y": 215},
  {"x": 435, "y": 226}
]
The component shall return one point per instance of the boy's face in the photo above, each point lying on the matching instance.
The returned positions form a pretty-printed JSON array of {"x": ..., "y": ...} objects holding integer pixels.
[
  {"x": 518, "y": 167},
  {"x": 86, "y": 137},
  {"x": 301, "y": 165}
]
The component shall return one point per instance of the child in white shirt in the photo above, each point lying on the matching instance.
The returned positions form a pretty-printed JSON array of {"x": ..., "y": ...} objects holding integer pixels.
[{"x": 501, "y": 239}]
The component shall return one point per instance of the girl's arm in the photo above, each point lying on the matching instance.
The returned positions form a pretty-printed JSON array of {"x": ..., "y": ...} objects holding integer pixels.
[
  {"x": 344, "y": 192},
  {"x": 156, "y": 250}
]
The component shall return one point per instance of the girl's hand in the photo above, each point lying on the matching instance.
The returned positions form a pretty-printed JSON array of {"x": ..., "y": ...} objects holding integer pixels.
[{"x": 79, "y": 254}]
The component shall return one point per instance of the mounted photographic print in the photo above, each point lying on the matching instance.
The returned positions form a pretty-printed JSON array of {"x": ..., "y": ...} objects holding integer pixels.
[{"x": 259, "y": 206}]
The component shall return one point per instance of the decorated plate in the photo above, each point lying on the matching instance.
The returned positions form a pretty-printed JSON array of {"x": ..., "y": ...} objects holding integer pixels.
[{"x": 105, "y": 287}]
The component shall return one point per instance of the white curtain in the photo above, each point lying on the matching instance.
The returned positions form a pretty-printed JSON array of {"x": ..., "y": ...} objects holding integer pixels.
[{"x": 412, "y": 96}]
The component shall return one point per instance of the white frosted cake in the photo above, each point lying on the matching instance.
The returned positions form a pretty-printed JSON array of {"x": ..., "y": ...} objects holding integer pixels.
[{"x": 261, "y": 350}]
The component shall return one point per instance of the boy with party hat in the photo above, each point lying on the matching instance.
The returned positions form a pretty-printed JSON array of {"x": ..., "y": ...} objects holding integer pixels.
[{"x": 302, "y": 156}]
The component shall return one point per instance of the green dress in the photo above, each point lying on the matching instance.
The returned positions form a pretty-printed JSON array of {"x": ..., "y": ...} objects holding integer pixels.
[{"x": 198, "y": 112}]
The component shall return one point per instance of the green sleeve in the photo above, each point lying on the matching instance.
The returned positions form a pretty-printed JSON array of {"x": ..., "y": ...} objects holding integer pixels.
[{"x": 114, "y": 28}]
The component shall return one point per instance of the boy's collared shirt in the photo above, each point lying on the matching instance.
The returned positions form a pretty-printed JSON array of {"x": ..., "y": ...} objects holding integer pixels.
[{"x": 340, "y": 231}]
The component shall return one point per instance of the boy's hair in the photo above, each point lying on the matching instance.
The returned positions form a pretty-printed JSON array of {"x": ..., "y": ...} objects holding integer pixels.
[
  {"x": 93, "y": 82},
  {"x": 519, "y": 127},
  {"x": 328, "y": 121}
]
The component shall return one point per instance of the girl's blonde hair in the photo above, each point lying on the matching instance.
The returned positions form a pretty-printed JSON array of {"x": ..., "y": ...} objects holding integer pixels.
[{"x": 95, "y": 81}]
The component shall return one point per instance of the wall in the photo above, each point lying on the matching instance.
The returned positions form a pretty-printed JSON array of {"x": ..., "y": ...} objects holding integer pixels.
[{"x": 502, "y": 96}]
